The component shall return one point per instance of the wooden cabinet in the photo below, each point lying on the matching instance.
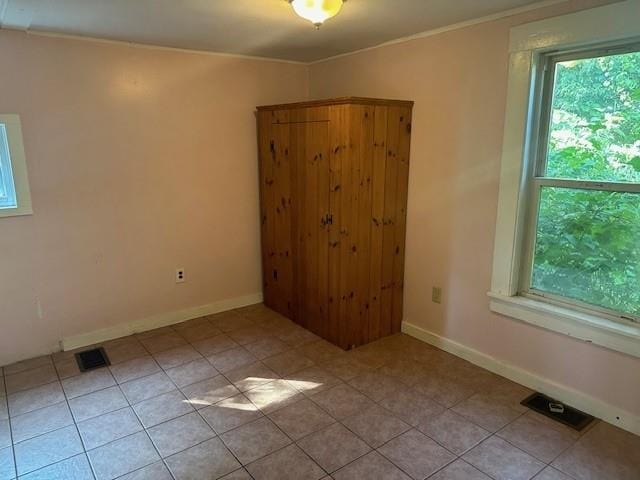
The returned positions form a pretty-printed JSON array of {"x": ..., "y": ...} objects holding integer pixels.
[{"x": 333, "y": 193}]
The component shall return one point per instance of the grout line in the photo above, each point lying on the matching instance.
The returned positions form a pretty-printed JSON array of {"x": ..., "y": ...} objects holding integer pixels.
[{"x": 12, "y": 446}]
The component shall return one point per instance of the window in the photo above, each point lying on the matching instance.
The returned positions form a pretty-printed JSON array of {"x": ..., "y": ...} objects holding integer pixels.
[
  {"x": 566, "y": 252},
  {"x": 7, "y": 186},
  {"x": 15, "y": 198},
  {"x": 584, "y": 236}
]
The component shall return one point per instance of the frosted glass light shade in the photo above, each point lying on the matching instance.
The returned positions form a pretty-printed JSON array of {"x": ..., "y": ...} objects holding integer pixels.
[{"x": 317, "y": 11}]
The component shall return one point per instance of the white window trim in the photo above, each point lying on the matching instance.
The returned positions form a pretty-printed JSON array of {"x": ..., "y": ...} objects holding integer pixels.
[
  {"x": 18, "y": 167},
  {"x": 616, "y": 22}
]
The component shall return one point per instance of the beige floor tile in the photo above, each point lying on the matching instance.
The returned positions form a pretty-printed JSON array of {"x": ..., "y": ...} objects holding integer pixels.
[
  {"x": 194, "y": 333},
  {"x": 123, "y": 351},
  {"x": 155, "y": 471},
  {"x": 135, "y": 368},
  {"x": 267, "y": 347},
  {"x": 345, "y": 367},
  {"x": 376, "y": 426},
  {"x": 27, "y": 365},
  {"x": 154, "y": 333},
  {"x": 244, "y": 336},
  {"x": 551, "y": 473},
  {"x": 162, "y": 408},
  {"x": 240, "y": 474},
  {"x": 290, "y": 463},
  {"x": 410, "y": 406},
  {"x": 255, "y": 440},
  {"x": 296, "y": 336},
  {"x": 416, "y": 454},
  {"x": 192, "y": 372},
  {"x": 453, "y": 432},
  {"x": 312, "y": 380},
  {"x": 406, "y": 370},
  {"x": 486, "y": 412},
  {"x": 536, "y": 438},
  {"x": 210, "y": 459},
  {"x": 32, "y": 378},
  {"x": 301, "y": 419},
  {"x": 443, "y": 390},
  {"x": 209, "y": 392},
  {"x": 230, "y": 321},
  {"x": 213, "y": 345},
  {"x": 123, "y": 456},
  {"x": 602, "y": 453},
  {"x": 176, "y": 356},
  {"x": 180, "y": 433},
  {"x": 230, "y": 413},
  {"x": 47, "y": 449},
  {"x": 41, "y": 421},
  {"x": 30, "y": 400},
  {"x": 371, "y": 466},
  {"x": 320, "y": 351},
  {"x": 231, "y": 359},
  {"x": 7, "y": 466},
  {"x": 502, "y": 461},
  {"x": 106, "y": 428},
  {"x": 5, "y": 434},
  {"x": 334, "y": 447},
  {"x": 74, "y": 468},
  {"x": 342, "y": 401},
  {"x": 88, "y": 382},
  {"x": 287, "y": 363},
  {"x": 459, "y": 470},
  {"x": 273, "y": 396},
  {"x": 251, "y": 376},
  {"x": 164, "y": 341},
  {"x": 375, "y": 385},
  {"x": 97, "y": 403},
  {"x": 67, "y": 368},
  {"x": 147, "y": 387}
]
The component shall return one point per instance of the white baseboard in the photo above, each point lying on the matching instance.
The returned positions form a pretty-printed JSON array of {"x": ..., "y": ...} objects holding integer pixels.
[
  {"x": 582, "y": 401},
  {"x": 157, "y": 321}
]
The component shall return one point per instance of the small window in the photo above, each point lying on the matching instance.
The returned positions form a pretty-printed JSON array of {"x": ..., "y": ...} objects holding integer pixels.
[
  {"x": 584, "y": 240},
  {"x": 7, "y": 185},
  {"x": 15, "y": 198}
]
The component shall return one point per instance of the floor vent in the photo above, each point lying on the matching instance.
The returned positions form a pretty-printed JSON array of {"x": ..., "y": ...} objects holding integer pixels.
[
  {"x": 558, "y": 411},
  {"x": 92, "y": 359}
]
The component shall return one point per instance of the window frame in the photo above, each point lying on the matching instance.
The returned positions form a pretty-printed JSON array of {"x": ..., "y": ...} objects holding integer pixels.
[
  {"x": 13, "y": 128},
  {"x": 529, "y": 44},
  {"x": 536, "y": 178}
]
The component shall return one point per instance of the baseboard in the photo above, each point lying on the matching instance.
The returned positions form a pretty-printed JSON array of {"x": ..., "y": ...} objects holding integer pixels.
[
  {"x": 575, "y": 398},
  {"x": 157, "y": 321}
]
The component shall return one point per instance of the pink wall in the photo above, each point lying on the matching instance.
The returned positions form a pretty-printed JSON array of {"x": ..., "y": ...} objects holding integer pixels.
[
  {"x": 458, "y": 81},
  {"x": 140, "y": 161}
]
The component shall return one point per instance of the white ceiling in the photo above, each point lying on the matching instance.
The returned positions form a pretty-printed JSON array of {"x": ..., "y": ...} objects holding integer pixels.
[{"x": 265, "y": 28}]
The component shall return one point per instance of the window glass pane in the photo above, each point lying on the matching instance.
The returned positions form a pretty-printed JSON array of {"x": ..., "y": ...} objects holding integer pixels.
[
  {"x": 588, "y": 247},
  {"x": 7, "y": 187},
  {"x": 595, "y": 119}
]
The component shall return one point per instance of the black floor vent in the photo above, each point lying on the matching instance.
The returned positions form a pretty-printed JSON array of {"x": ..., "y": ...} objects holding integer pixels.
[
  {"x": 558, "y": 411},
  {"x": 92, "y": 359}
]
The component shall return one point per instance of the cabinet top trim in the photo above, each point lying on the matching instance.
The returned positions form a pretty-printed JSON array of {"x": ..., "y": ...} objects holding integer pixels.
[{"x": 338, "y": 101}]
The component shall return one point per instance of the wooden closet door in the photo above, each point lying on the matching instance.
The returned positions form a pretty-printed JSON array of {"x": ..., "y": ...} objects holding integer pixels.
[
  {"x": 276, "y": 219},
  {"x": 311, "y": 150},
  {"x": 352, "y": 141}
]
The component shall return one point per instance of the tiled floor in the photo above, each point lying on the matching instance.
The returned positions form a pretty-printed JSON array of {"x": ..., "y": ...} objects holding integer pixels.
[{"x": 248, "y": 394}]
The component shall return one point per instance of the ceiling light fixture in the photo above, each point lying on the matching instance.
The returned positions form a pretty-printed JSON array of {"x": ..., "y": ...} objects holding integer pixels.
[{"x": 317, "y": 11}]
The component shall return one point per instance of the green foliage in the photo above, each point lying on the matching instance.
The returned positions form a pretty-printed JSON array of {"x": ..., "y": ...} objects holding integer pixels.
[{"x": 588, "y": 242}]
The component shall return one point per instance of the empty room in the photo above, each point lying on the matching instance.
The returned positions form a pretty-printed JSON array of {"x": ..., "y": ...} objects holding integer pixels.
[{"x": 320, "y": 239}]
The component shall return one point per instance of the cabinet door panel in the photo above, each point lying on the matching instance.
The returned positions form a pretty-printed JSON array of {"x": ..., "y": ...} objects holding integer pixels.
[{"x": 310, "y": 145}]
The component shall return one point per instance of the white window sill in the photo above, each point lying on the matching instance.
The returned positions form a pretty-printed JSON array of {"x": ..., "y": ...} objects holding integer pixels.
[
  {"x": 15, "y": 212},
  {"x": 620, "y": 336}
]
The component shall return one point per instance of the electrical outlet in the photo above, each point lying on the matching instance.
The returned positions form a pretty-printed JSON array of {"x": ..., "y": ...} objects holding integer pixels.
[
  {"x": 180, "y": 278},
  {"x": 436, "y": 295}
]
